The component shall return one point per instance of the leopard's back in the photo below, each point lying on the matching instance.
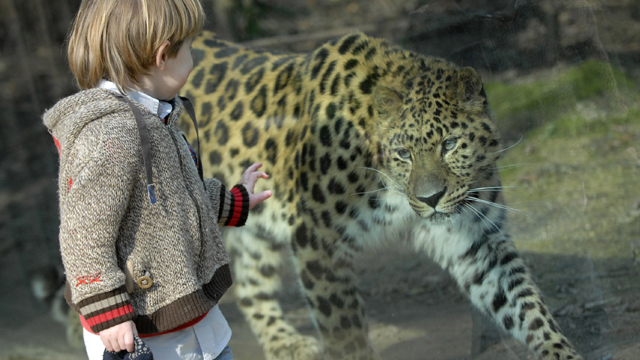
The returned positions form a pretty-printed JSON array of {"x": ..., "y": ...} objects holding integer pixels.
[{"x": 284, "y": 110}]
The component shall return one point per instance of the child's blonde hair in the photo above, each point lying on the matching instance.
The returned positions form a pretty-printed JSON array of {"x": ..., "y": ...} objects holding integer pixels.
[{"x": 117, "y": 40}]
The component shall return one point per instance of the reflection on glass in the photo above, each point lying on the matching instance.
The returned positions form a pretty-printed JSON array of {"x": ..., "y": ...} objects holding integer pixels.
[{"x": 561, "y": 78}]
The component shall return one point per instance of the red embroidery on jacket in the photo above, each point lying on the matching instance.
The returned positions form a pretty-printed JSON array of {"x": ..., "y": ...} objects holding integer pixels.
[
  {"x": 70, "y": 184},
  {"x": 55, "y": 141},
  {"x": 88, "y": 279}
]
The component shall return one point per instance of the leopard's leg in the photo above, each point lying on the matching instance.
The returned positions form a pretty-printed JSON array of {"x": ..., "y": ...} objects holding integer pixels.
[
  {"x": 499, "y": 284},
  {"x": 482, "y": 258},
  {"x": 255, "y": 260},
  {"x": 323, "y": 258}
]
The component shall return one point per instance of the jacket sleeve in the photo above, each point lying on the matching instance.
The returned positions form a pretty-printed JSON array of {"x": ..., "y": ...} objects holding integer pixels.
[
  {"x": 231, "y": 206},
  {"x": 94, "y": 189}
]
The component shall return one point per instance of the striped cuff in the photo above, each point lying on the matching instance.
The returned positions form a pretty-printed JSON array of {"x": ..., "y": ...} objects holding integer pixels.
[
  {"x": 107, "y": 309},
  {"x": 234, "y": 206}
]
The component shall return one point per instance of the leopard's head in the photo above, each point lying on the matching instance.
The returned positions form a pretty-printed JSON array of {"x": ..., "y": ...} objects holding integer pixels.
[{"x": 437, "y": 137}]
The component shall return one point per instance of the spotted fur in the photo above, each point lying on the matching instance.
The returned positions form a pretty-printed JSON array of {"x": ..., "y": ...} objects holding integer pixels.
[{"x": 365, "y": 142}]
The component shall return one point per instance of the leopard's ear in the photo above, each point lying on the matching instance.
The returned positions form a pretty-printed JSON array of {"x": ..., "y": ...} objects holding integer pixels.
[
  {"x": 469, "y": 88},
  {"x": 386, "y": 100}
]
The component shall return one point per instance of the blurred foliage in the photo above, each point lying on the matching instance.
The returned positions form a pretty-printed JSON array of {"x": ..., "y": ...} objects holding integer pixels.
[
  {"x": 571, "y": 175},
  {"x": 557, "y": 92},
  {"x": 558, "y": 98},
  {"x": 247, "y": 18},
  {"x": 575, "y": 123}
]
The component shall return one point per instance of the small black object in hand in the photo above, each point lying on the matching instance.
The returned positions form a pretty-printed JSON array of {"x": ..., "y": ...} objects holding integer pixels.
[{"x": 141, "y": 352}]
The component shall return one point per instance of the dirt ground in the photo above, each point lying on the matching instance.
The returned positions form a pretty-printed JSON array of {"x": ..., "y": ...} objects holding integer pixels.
[{"x": 416, "y": 312}]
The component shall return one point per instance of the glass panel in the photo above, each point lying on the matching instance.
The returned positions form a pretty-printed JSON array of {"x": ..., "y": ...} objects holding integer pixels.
[{"x": 384, "y": 202}]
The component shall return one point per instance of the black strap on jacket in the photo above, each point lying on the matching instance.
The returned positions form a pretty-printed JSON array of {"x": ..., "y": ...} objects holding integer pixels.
[
  {"x": 145, "y": 141},
  {"x": 192, "y": 114}
]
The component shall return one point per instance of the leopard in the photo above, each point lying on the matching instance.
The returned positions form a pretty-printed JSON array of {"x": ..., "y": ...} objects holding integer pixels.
[{"x": 366, "y": 143}]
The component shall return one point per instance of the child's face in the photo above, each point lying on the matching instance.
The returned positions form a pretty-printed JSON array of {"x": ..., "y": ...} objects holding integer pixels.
[{"x": 176, "y": 72}]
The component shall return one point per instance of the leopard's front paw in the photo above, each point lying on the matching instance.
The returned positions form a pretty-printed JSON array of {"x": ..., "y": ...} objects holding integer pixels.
[
  {"x": 558, "y": 351},
  {"x": 295, "y": 347}
]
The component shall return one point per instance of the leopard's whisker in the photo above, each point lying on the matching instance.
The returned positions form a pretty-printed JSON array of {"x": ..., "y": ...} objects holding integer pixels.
[
  {"x": 505, "y": 149},
  {"x": 512, "y": 165},
  {"x": 499, "y": 206},
  {"x": 506, "y": 191},
  {"x": 477, "y": 213},
  {"x": 393, "y": 189},
  {"x": 495, "y": 188},
  {"x": 372, "y": 191},
  {"x": 376, "y": 170},
  {"x": 384, "y": 187},
  {"x": 483, "y": 217}
]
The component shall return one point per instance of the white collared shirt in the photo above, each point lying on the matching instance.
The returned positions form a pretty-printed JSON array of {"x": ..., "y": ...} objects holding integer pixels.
[{"x": 158, "y": 107}]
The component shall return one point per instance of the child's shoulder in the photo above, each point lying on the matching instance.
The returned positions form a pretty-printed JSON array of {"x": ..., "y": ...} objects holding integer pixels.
[
  {"x": 92, "y": 117},
  {"x": 82, "y": 107},
  {"x": 84, "y": 99}
]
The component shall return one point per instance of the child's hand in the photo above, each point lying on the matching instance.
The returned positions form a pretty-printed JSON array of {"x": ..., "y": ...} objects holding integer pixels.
[
  {"x": 249, "y": 179},
  {"x": 119, "y": 337}
]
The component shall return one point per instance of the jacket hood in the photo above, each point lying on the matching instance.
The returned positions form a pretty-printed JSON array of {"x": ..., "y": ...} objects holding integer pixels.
[{"x": 70, "y": 115}]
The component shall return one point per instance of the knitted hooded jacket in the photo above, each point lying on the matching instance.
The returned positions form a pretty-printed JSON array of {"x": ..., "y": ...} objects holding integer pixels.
[{"x": 169, "y": 253}]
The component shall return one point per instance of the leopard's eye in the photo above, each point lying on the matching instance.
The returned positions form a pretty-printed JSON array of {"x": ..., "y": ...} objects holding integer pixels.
[
  {"x": 449, "y": 144},
  {"x": 404, "y": 154}
]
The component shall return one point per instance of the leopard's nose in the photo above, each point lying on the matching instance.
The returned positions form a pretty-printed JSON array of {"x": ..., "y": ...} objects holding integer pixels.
[{"x": 433, "y": 199}]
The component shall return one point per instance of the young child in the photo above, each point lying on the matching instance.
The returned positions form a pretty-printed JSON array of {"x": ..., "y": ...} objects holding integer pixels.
[{"x": 139, "y": 232}]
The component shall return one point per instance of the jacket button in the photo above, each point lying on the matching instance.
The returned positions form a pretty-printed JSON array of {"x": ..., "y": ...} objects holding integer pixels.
[{"x": 144, "y": 282}]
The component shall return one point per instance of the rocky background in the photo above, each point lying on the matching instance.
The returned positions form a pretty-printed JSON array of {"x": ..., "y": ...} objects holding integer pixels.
[{"x": 561, "y": 75}]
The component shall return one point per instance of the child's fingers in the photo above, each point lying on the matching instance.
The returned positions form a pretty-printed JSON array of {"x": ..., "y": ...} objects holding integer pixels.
[
  {"x": 106, "y": 341},
  {"x": 253, "y": 168},
  {"x": 121, "y": 343},
  {"x": 255, "y": 199},
  {"x": 260, "y": 197},
  {"x": 128, "y": 341},
  {"x": 259, "y": 174},
  {"x": 251, "y": 180},
  {"x": 114, "y": 345},
  {"x": 251, "y": 174}
]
